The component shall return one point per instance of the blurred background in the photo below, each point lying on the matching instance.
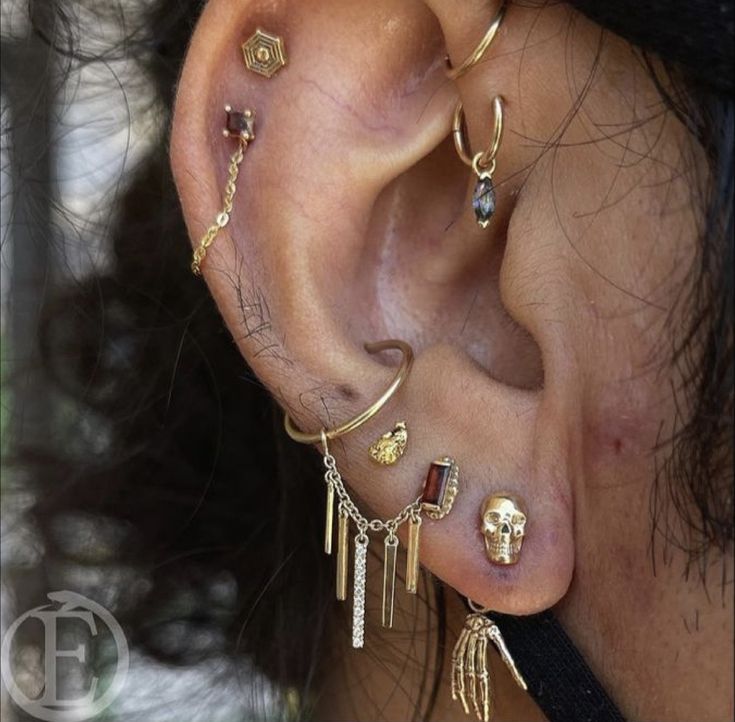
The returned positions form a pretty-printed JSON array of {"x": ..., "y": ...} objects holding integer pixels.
[{"x": 73, "y": 128}]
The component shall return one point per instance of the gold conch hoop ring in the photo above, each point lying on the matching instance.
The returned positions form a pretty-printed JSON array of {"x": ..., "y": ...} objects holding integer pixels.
[
  {"x": 486, "y": 159},
  {"x": 360, "y": 419},
  {"x": 477, "y": 54}
]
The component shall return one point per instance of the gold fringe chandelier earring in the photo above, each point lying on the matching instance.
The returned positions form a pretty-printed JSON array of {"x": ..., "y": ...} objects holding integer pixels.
[{"x": 435, "y": 500}]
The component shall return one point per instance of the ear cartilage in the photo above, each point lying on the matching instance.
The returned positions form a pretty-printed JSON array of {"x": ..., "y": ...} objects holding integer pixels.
[
  {"x": 239, "y": 124},
  {"x": 264, "y": 53},
  {"x": 503, "y": 524}
]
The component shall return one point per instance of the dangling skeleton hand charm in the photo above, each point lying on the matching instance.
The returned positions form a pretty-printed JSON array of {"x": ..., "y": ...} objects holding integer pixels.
[{"x": 471, "y": 682}]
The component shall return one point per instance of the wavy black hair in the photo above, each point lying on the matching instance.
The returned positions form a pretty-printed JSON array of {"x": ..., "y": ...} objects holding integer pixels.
[{"x": 169, "y": 450}]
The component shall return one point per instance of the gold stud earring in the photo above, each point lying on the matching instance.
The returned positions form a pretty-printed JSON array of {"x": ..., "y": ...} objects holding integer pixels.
[
  {"x": 504, "y": 528},
  {"x": 482, "y": 163},
  {"x": 264, "y": 53},
  {"x": 389, "y": 448},
  {"x": 241, "y": 126},
  {"x": 436, "y": 501}
]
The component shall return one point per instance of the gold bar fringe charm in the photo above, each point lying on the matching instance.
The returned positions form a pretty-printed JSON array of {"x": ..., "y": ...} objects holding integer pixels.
[
  {"x": 412, "y": 555},
  {"x": 389, "y": 578},
  {"x": 358, "y": 591},
  {"x": 329, "y": 520},
  {"x": 343, "y": 554}
]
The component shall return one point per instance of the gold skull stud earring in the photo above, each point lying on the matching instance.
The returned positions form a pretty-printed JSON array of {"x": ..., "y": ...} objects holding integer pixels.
[{"x": 504, "y": 527}]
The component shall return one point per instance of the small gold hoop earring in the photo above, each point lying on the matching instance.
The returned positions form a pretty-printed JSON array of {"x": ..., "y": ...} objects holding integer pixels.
[
  {"x": 372, "y": 410},
  {"x": 478, "y": 53},
  {"x": 482, "y": 163}
]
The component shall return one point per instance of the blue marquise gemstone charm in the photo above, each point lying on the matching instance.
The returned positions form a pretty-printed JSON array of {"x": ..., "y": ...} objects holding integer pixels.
[{"x": 483, "y": 200}]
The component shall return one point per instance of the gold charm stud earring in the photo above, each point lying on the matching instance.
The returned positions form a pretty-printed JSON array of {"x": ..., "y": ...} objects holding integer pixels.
[
  {"x": 264, "y": 53},
  {"x": 482, "y": 47},
  {"x": 504, "y": 528},
  {"x": 440, "y": 488},
  {"x": 241, "y": 126},
  {"x": 389, "y": 448},
  {"x": 482, "y": 163}
]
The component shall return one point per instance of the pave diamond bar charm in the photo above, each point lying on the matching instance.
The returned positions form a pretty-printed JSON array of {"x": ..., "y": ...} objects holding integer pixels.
[{"x": 358, "y": 591}]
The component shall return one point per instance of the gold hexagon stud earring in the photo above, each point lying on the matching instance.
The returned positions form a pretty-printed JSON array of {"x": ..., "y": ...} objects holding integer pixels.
[{"x": 264, "y": 53}]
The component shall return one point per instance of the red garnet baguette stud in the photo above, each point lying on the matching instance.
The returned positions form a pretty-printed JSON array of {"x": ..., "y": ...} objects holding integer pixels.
[
  {"x": 440, "y": 488},
  {"x": 436, "y": 500}
]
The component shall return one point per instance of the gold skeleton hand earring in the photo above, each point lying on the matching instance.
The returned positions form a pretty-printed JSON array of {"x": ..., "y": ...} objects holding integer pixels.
[
  {"x": 241, "y": 126},
  {"x": 482, "y": 163},
  {"x": 471, "y": 679}
]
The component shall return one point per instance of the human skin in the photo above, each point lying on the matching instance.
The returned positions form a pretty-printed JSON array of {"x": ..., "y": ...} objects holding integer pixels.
[{"x": 543, "y": 342}]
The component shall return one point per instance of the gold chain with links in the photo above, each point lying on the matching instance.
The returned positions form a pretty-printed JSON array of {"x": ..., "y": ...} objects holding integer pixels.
[
  {"x": 223, "y": 217},
  {"x": 410, "y": 511}
]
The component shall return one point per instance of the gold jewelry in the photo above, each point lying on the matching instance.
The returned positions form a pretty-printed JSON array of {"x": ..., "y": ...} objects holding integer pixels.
[
  {"x": 357, "y": 421},
  {"x": 471, "y": 679},
  {"x": 504, "y": 527},
  {"x": 240, "y": 125},
  {"x": 437, "y": 498},
  {"x": 482, "y": 163},
  {"x": 440, "y": 488},
  {"x": 264, "y": 53},
  {"x": 348, "y": 512},
  {"x": 389, "y": 448},
  {"x": 477, "y": 54}
]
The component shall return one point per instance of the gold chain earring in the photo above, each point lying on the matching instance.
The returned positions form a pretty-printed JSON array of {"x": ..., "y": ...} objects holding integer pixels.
[
  {"x": 436, "y": 499},
  {"x": 482, "y": 163},
  {"x": 241, "y": 126}
]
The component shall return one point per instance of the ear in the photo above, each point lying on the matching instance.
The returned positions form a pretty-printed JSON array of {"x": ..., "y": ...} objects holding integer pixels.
[{"x": 351, "y": 224}]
